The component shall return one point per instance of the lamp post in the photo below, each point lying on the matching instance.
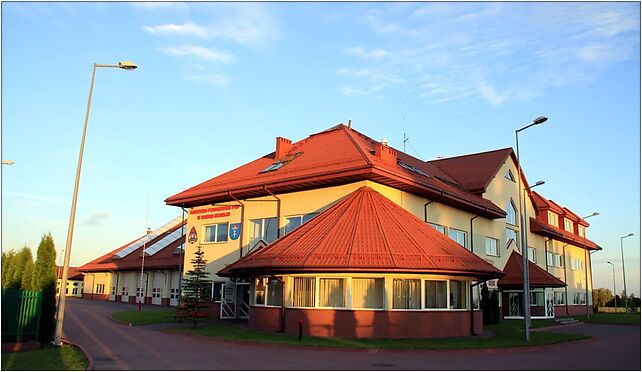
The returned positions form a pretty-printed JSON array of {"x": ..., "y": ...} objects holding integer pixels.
[
  {"x": 587, "y": 259},
  {"x": 626, "y": 300},
  {"x": 614, "y": 293},
  {"x": 526, "y": 300},
  {"x": 125, "y": 65},
  {"x": 8, "y": 162}
]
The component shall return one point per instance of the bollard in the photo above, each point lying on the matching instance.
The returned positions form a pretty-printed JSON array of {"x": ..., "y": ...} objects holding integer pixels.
[{"x": 300, "y": 329}]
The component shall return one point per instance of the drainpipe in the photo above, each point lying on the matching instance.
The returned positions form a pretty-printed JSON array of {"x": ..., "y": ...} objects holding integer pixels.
[
  {"x": 426, "y": 210},
  {"x": 471, "y": 233},
  {"x": 472, "y": 325},
  {"x": 565, "y": 282},
  {"x": 546, "y": 252},
  {"x": 282, "y": 302},
  {"x": 278, "y": 212},
  {"x": 242, "y": 223},
  {"x": 93, "y": 289},
  {"x": 146, "y": 286}
]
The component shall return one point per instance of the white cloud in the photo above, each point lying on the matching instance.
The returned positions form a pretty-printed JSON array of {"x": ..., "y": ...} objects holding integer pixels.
[
  {"x": 187, "y": 28},
  {"x": 209, "y": 79},
  {"x": 97, "y": 218},
  {"x": 364, "y": 53},
  {"x": 209, "y": 54}
]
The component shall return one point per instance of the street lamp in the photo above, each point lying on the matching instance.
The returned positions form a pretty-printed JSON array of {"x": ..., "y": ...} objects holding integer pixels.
[
  {"x": 626, "y": 300},
  {"x": 614, "y": 293},
  {"x": 527, "y": 336},
  {"x": 587, "y": 260},
  {"x": 8, "y": 162},
  {"x": 125, "y": 65}
]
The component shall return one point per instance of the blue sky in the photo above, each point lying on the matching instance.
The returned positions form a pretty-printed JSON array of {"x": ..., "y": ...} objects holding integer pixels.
[{"x": 218, "y": 82}]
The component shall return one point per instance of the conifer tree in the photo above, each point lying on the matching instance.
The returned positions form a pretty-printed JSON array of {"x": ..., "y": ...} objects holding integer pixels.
[
  {"x": 7, "y": 268},
  {"x": 27, "y": 273},
  {"x": 45, "y": 278},
  {"x": 21, "y": 260},
  {"x": 194, "y": 284}
]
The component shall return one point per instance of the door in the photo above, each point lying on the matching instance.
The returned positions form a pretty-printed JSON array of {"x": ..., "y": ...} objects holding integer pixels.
[
  {"x": 514, "y": 304},
  {"x": 114, "y": 287},
  {"x": 174, "y": 289},
  {"x": 157, "y": 288},
  {"x": 243, "y": 301},
  {"x": 228, "y": 301},
  {"x": 550, "y": 304}
]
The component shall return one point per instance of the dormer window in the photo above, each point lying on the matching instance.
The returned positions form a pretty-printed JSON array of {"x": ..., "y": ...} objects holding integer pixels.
[
  {"x": 509, "y": 175},
  {"x": 553, "y": 219},
  {"x": 279, "y": 163},
  {"x": 581, "y": 230},
  {"x": 568, "y": 225}
]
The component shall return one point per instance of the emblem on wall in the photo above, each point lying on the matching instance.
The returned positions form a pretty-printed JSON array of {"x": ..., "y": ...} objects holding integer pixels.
[
  {"x": 192, "y": 237},
  {"x": 235, "y": 230}
]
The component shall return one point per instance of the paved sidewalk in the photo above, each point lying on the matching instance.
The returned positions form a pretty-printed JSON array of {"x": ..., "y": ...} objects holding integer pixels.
[{"x": 117, "y": 346}]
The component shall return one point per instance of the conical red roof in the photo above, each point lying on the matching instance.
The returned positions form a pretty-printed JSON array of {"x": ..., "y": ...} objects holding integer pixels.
[
  {"x": 365, "y": 232},
  {"x": 537, "y": 277}
]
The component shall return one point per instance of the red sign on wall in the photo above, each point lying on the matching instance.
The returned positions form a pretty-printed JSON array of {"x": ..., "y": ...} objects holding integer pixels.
[{"x": 213, "y": 212}]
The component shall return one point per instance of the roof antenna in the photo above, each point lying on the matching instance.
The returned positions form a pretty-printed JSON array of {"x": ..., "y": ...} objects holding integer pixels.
[
  {"x": 349, "y": 124},
  {"x": 405, "y": 139}
]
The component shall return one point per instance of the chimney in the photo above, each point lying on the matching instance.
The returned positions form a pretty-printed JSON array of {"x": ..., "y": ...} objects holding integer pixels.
[
  {"x": 283, "y": 145},
  {"x": 388, "y": 155},
  {"x": 149, "y": 231}
]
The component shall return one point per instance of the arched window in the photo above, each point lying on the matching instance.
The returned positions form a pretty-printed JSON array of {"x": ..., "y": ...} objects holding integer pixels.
[{"x": 511, "y": 213}]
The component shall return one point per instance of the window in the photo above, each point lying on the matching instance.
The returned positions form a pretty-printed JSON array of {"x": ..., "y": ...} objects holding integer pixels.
[
  {"x": 511, "y": 236},
  {"x": 156, "y": 292},
  {"x": 458, "y": 235},
  {"x": 125, "y": 291},
  {"x": 581, "y": 230},
  {"x": 367, "y": 293},
  {"x": 406, "y": 294},
  {"x": 263, "y": 229},
  {"x": 74, "y": 291},
  {"x": 552, "y": 219},
  {"x": 492, "y": 247},
  {"x": 216, "y": 233},
  {"x": 458, "y": 294},
  {"x": 579, "y": 298},
  {"x": 509, "y": 175},
  {"x": 436, "y": 297},
  {"x": 139, "y": 292},
  {"x": 113, "y": 291},
  {"x": 559, "y": 298},
  {"x": 531, "y": 255},
  {"x": 559, "y": 260},
  {"x": 537, "y": 298},
  {"x": 411, "y": 168},
  {"x": 549, "y": 258},
  {"x": 568, "y": 225},
  {"x": 100, "y": 288},
  {"x": 303, "y": 292},
  {"x": 173, "y": 294},
  {"x": 332, "y": 292},
  {"x": 268, "y": 291},
  {"x": 441, "y": 229},
  {"x": 278, "y": 164},
  {"x": 295, "y": 221},
  {"x": 577, "y": 264},
  {"x": 511, "y": 213}
]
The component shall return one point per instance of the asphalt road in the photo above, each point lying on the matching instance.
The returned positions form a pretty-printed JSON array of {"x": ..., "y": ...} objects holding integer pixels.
[{"x": 114, "y": 346}]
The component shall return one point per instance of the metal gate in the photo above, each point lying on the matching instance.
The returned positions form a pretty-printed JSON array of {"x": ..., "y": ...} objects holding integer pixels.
[
  {"x": 243, "y": 300},
  {"x": 228, "y": 301},
  {"x": 550, "y": 304}
]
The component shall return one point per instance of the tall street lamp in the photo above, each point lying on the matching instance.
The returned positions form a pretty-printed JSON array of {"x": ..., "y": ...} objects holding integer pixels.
[
  {"x": 614, "y": 293},
  {"x": 587, "y": 260},
  {"x": 626, "y": 300},
  {"x": 526, "y": 300},
  {"x": 125, "y": 65},
  {"x": 8, "y": 162}
]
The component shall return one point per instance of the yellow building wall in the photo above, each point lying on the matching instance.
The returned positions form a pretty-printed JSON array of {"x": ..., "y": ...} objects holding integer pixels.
[{"x": 91, "y": 280}]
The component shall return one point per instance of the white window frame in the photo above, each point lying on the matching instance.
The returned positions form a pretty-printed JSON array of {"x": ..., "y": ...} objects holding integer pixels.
[
  {"x": 559, "y": 260},
  {"x": 553, "y": 219},
  {"x": 515, "y": 239},
  {"x": 581, "y": 230},
  {"x": 442, "y": 229},
  {"x": 346, "y": 292},
  {"x": 568, "y": 224},
  {"x": 447, "y": 295},
  {"x": 218, "y": 225},
  {"x": 350, "y": 301},
  {"x": 301, "y": 218},
  {"x": 562, "y": 296},
  {"x": 532, "y": 254},
  {"x": 458, "y": 234},
  {"x": 509, "y": 176},
  {"x": 510, "y": 207},
  {"x": 291, "y": 293},
  {"x": 550, "y": 259},
  {"x": 262, "y": 232},
  {"x": 265, "y": 296},
  {"x": 488, "y": 239},
  {"x": 422, "y": 293}
]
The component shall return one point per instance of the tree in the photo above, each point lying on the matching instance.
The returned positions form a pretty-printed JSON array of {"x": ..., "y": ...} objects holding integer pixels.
[
  {"x": 601, "y": 296},
  {"x": 44, "y": 278},
  {"x": 27, "y": 273},
  {"x": 485, "y": 304},
  {"x": 8, "y": 268},
  {"x": 193, "y": 299},
  {"x": 20, "y": 265}
]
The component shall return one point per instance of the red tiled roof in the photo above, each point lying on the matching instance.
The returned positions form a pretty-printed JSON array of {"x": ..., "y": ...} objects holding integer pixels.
[
  {"x": 474, "y": 171},
  {"x": 364, "y": 232},
  {"x": 543, "y": 203},
  {"x": 336, "y": 156},
  {"x": 541, "y": 228},
  {"x": 163, "y": 259},
  {"x": 537, "y": 277},
  {"x": 72, "y": 274}
]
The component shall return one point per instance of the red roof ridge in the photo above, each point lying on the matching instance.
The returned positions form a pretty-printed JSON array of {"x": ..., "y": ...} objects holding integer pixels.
[
  {"x": 348, "y": 131},
  {"x": 471, "y": 154}
]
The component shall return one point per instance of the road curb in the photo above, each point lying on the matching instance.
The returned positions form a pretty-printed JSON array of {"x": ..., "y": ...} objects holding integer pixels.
[
  {"x": 118, "y": 321},
  {"x": 555, "y": 327},
  {"x": 90, "y": 360}
]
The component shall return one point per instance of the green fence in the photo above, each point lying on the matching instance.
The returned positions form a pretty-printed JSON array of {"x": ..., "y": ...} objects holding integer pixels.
[{"x": 20, "y": 314}]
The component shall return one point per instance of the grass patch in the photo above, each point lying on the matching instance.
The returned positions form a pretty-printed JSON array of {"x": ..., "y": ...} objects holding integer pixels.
[
  {"x": 145, "y": 316},
  {"x": 64, "y": 358},
  {"x": 612, "y": 318},
  {"x": 506, "y": 334}
]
